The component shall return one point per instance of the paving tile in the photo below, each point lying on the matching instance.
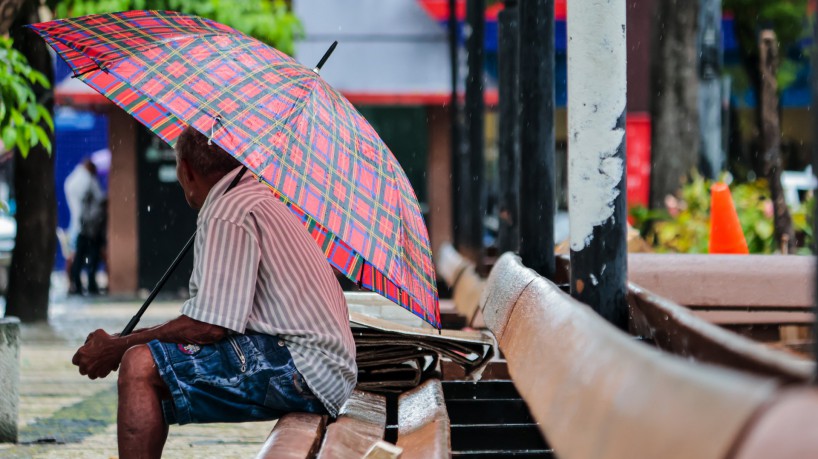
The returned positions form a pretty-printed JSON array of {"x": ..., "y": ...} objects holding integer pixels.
[{"x": 57, "y": 403}]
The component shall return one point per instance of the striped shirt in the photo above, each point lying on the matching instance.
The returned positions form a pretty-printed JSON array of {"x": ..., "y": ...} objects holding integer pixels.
[{"x": 257, "y": 268}]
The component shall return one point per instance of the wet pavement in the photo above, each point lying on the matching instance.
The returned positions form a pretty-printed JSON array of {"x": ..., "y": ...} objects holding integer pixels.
[{"x": 65, "y": 415}]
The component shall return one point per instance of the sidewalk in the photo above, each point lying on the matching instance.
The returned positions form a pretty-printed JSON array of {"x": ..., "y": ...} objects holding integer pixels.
[{"x": 65, "y": 415}]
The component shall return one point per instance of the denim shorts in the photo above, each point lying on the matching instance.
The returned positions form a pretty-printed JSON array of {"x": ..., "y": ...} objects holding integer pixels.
[{"x": 241, "y": 378}]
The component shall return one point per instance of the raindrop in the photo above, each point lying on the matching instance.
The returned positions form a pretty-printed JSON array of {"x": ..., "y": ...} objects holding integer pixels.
[{"x": 149, "y": 208}]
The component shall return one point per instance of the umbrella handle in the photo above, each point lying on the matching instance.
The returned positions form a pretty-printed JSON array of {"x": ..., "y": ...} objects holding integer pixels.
[{"x": 135, "y": 319}]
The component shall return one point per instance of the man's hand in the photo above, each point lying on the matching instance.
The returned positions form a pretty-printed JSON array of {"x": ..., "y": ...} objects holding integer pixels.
[
  {"x": 102, "y": 353},
  {"x": 99, "y": 356}
]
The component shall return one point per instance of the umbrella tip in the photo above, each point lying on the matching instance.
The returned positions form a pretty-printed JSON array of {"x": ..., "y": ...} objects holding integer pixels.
[{"x": 317, "y": 68}]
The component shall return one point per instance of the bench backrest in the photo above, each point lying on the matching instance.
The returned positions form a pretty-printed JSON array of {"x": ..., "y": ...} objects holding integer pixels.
[
  {"x": 783, "y": 282},
  {"x": 463, "y": 279},
  {"x": 678, "y": 330},
  {"x": 596, "y": 392}
]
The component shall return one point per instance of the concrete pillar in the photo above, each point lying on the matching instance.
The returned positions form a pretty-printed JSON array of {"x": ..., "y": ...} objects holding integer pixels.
[
  {"x": 597, "y": 97},
  {"x": 122, "y": 192},
  {"x": 439, "y": 178},
  {"x": 9, "y": 378}
]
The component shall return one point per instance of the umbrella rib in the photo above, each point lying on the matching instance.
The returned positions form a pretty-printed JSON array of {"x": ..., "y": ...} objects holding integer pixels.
[
  {"x": 103, "y": 62},
  {"x": 296, "y": 110}
]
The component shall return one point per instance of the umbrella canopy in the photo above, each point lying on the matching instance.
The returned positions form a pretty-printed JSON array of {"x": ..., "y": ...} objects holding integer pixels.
[{"x": 280, "y": 119}]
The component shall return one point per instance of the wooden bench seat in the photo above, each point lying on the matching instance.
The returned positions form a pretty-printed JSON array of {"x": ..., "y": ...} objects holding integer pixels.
[
  {"x": 359, "y": 427},
  {"x": 358, "y": 432}
]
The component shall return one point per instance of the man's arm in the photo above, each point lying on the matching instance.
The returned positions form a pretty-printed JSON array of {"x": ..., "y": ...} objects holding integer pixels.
[{"x": 102, "y": 353}]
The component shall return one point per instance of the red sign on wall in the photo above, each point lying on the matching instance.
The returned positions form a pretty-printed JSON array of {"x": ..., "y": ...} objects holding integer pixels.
[
  {"x": 637, "y": 138},
  {"x": 439, "y": 9}
]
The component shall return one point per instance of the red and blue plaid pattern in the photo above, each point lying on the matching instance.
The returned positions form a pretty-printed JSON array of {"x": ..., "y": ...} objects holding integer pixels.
[{"x": 279, "y": 118}]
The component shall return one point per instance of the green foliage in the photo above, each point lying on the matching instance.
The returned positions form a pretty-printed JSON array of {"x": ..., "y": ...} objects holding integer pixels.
[
  {"x": 270, "y": 21},
  {"x": 786, "y": 17},
  {"x": 802, "y": 220},
  {"x": 20, "y": 113},
  {"x": 685, "y": 226}
]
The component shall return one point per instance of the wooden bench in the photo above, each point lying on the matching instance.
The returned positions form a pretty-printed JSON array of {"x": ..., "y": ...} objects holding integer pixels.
[
  {"x": 464, "y": 281},
  {"x": 731, "y": 290},
  {"x": 597, "y": 392},
  {"x": 679, "y": 330},
  {"x": 764, "y": 297},
  {"x": 359, "y": 430}
]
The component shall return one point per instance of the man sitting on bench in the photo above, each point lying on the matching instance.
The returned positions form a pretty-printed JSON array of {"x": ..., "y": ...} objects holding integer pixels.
[{"x": 265, "y": 331}]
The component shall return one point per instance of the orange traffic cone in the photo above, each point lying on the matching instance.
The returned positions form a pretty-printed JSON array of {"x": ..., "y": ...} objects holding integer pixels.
[{"x": 726, "y": 235}]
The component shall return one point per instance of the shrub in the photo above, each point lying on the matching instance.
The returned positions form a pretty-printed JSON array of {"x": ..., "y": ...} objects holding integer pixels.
[{"x": 684, "y": 226}]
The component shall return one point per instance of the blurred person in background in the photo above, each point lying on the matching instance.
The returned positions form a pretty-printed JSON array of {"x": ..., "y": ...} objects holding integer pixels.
[{"x": 86, "y": 229}]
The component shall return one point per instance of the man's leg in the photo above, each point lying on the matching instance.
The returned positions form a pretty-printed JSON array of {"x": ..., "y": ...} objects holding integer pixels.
[{"x": 141, "y": 427}]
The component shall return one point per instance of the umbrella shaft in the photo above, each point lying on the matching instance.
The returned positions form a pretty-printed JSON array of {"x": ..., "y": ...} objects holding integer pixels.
[{"x": 135, "y": 319}]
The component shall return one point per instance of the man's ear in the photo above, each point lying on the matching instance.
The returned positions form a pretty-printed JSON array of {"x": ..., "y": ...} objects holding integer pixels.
[{"x": 187, "y": 171}]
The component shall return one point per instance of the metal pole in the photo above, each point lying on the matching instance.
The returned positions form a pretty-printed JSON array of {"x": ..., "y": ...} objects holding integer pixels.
[
  {"x": 710, "y": 62},
  {"x": 457, "y": 208},
  {"x": 596, "y": 145},
  {"x": 475, "y": 110},
  {"x": 815, "y": 171},
  {"x": 508, "y": 238},
  {"x": 536, "y": 125}
]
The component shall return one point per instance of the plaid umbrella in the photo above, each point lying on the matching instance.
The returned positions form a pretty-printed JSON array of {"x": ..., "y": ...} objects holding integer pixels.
[{"x": 280, "y": 119}]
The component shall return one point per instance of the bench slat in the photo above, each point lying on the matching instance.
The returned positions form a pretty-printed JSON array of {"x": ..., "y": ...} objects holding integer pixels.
[
  {"x": 683, "y": 332},
  {"x": 728, "y": 317},
  {"x": 360, "y": 424},
  {"x": 713, "y": 281},
  {"x": 424, "y": 430},
  {"x": 295, "y": 436}
]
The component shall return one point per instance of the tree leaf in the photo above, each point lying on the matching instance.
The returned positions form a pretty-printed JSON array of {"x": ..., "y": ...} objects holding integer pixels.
[
  {"x": 16, "y": 118},
  {"x": 22, "y": 146},
  {"x": 43, "y": 138},
  {"x": 764, "y": 229},
  {"x": 9, "y": 136},
  {"x": 45, "y": 115}
]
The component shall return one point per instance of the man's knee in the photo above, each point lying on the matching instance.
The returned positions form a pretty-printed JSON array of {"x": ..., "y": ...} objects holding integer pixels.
[{"x": 138, "y": 367}]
